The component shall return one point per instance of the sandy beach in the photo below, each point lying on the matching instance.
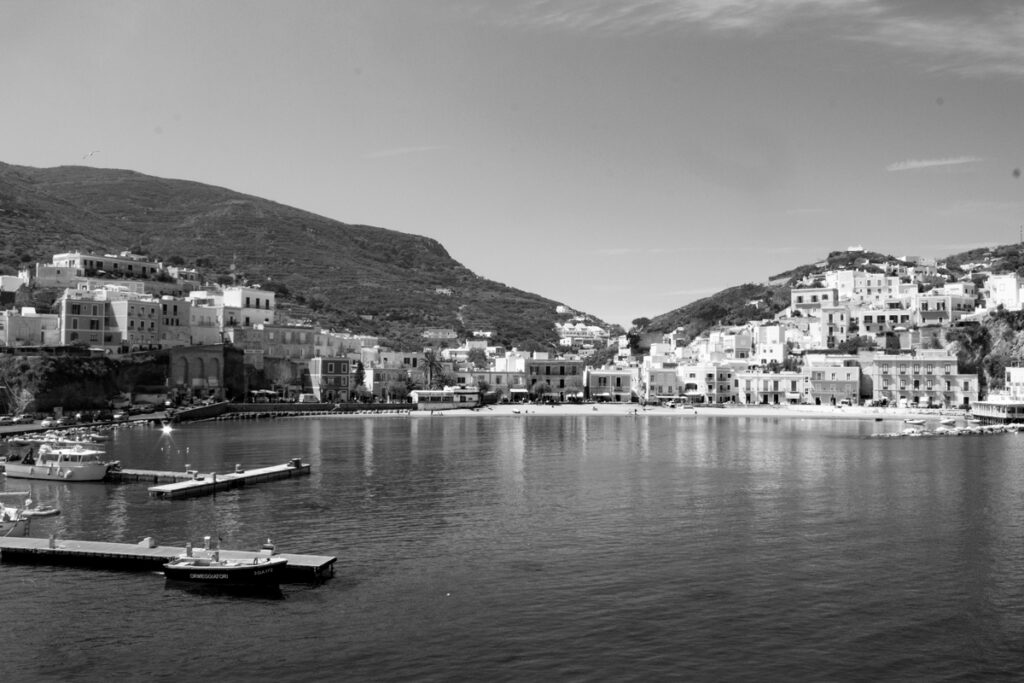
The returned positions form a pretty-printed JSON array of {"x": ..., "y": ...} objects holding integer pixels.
[{"x": 802, "y": 411}]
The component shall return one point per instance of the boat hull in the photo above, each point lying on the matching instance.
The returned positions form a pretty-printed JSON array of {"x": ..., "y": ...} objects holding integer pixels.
[
  {"x": 57, "y": 472},
  {"x": 262, "y": 573},
  {"x": 18, "y": 527}
]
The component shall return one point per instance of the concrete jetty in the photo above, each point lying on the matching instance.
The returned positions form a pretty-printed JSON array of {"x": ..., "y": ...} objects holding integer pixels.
[
  {"x": 144, "y": 556},
  {"x": 196, "y": 484}
]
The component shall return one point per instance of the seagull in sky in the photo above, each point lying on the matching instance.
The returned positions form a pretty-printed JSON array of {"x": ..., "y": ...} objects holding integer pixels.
[{"x": 95, "y": 151}]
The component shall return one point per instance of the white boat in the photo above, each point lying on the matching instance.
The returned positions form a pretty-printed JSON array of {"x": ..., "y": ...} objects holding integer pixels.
[
  {"x": 914, "y": 421},
  {"x": 15, "y": 520},
  {"x": 948, "y": 421},
  {"x": 59, "y": 463},
  {"x": 12, "y": 522}
]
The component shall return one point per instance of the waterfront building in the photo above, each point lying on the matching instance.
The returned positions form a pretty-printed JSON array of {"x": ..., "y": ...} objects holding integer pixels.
[
  {"x": 613, "y": 384},
  {"x": 772, "y": 388},
  {"x": 212, "y": 371},
  {"x": 922, "y": 378},
  {"x": 448, "y": 398},
  {"x": 1004, "y": 406},
  {"x": 708, "y": 382},
  {"x": 501, "y": 384},
  {"x": 832, "y": 379},
  {"x": 559, "y": 378},
  {"x": 332, "y": 379}
]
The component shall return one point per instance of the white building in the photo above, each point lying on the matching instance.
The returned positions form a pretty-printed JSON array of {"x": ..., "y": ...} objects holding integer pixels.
[
  {"x": 28, "y": 328},
  {"x": 1004, "y": 290}
]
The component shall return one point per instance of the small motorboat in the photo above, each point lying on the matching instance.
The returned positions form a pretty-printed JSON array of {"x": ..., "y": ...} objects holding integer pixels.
[
  {"x": 207, "y": 567},
  {"x": 15, "y": 519},
  {"x": 914, "y": 421},
  {"x": 947, "y": 421}
]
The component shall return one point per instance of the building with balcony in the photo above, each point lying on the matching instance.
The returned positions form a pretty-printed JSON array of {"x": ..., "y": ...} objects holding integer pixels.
[{"x": 923, "y": 378}]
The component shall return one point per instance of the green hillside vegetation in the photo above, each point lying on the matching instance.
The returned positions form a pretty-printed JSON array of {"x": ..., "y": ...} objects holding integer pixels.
[
  {"x": 365, "y": 279},
  {"x": 743, "y": 303}
]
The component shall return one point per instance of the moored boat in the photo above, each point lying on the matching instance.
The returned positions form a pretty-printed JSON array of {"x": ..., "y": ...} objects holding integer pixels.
[
  {"x": 914, "y": 421},
  {"x": 207, "y": 567},
  {"x": 59, "y": 463},
  {"x": 14, "y": 519}
]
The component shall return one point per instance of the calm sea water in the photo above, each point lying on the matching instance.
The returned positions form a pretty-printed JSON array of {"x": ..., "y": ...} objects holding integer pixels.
[{"x": 551, "y": 548}]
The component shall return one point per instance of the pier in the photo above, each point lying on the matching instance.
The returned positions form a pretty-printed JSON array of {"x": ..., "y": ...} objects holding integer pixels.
[
  {"x": 144, "y": 556},
  {"x": 192, "y": 483}
]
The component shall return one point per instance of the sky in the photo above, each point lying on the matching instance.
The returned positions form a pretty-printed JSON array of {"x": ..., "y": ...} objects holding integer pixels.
[{"x": 623, "y": 157}]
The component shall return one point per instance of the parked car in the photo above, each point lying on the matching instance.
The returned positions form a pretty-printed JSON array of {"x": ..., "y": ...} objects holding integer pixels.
[
  {"x": 120, "y": 416},
  {"x": 6, "y": 420},
  {"x": 22, "y": 419},
  {"x": 48, "y": 422}
]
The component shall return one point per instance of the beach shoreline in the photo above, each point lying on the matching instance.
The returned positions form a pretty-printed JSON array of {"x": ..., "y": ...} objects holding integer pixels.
[{"x": 726, "y": 411}]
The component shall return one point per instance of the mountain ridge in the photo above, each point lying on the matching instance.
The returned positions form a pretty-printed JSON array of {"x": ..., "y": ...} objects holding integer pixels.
[{"x": 363, "y": 278}]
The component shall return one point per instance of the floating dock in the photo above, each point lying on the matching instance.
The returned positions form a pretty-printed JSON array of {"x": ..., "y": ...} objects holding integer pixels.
[
  {"x": 196, "y": 484},
  {"x": 144, "y": 556}
]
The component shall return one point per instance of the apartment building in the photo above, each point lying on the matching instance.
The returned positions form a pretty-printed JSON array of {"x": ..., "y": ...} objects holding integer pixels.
[
  {"x": 776, "y": 388},
  {"x": 87, "y": 318},
  {"x": 559, "y": 378},
  {"x": 333, "y": 379},
  {"x": 921, "y": 378},
  {"x": 613, "y": 384}
]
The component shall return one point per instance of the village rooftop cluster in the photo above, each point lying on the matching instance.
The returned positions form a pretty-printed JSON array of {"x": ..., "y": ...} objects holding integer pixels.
[{"x": 896, "y": 313}]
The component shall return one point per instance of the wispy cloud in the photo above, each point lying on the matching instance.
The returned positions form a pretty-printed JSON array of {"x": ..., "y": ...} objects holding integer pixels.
[
  {"x": 917, "y": 164},
  {"x": 970, "y": 38},
  {"x": 401, "y": 151}
]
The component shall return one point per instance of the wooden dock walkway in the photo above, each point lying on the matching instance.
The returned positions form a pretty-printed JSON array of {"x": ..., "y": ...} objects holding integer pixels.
[
  {"x": 196, "y": 484},
  {"x": 144, "y": 556}
]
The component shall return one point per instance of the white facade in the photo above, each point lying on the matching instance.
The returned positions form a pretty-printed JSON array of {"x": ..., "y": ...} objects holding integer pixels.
[
  {"x": 248, "y": 306},
  {"x": 1004, "y": 290}
]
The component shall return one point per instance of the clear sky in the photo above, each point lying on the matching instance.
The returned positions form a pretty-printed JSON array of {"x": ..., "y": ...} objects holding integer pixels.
[{"x": 624, "y": 157}]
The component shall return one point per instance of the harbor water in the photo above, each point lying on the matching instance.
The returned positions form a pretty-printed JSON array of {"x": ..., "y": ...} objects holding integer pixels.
[{"x": 535, "y": 547}]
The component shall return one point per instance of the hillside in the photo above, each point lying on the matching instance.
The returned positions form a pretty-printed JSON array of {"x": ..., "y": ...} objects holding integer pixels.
[
  {"x": 366, "y": 279},
  {"x": 737, "y": 305}
]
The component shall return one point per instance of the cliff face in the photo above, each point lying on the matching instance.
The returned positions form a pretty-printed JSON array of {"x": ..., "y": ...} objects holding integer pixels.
[{"x": 41, "y": 383}]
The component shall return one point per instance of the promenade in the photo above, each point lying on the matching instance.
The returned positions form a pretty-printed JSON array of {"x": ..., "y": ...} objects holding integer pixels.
[{"x": 727, "y": 411}]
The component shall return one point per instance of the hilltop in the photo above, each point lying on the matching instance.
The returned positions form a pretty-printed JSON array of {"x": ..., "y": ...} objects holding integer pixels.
[
  {"x": 366, "y": 279},
  {"x": 755, "y": 301}
]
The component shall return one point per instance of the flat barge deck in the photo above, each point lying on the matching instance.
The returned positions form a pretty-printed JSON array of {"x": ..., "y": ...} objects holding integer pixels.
[{"x": 144, "y": 556}]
